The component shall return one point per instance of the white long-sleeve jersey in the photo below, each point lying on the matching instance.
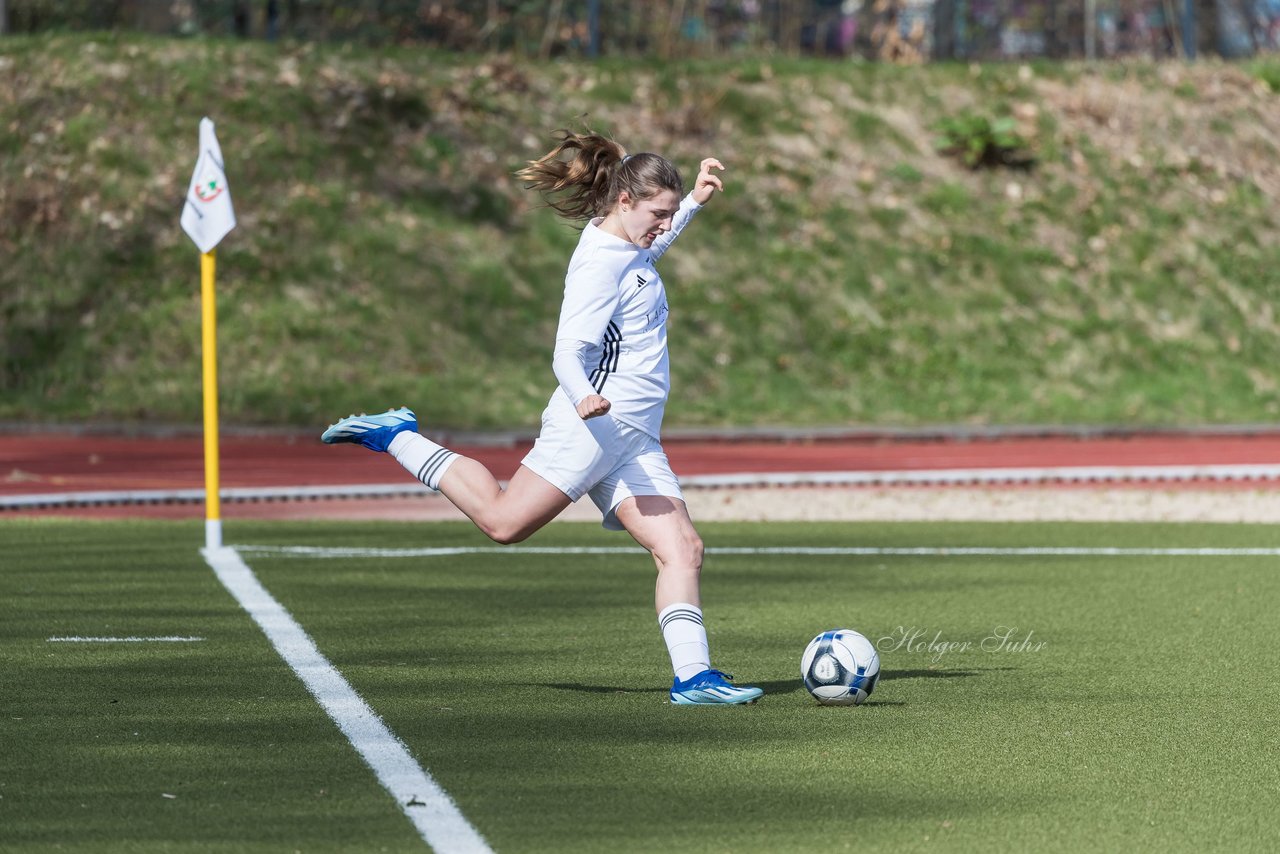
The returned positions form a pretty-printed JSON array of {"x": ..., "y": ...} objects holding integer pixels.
[{"x": 615, "y": 308}]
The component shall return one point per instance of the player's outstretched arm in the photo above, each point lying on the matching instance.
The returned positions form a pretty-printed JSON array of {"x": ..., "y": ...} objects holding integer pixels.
[{"x": 706, "y": 185}]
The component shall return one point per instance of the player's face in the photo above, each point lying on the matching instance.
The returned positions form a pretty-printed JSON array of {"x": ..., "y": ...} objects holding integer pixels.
[{"x": 644, "y": 219}]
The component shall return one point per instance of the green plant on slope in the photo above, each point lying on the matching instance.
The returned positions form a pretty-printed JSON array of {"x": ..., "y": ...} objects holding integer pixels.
[{"x": 979, "y": 141}]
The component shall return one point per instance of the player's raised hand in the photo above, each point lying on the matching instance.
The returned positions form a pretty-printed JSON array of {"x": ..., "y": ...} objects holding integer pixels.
[{"x": 707, "y": 183}]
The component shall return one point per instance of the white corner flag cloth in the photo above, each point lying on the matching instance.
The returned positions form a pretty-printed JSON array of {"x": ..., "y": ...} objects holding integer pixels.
[{"x": 207, "y": 215}]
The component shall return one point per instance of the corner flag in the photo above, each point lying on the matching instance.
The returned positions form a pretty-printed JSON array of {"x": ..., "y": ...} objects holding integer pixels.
[{"x": 207, "y": 216}]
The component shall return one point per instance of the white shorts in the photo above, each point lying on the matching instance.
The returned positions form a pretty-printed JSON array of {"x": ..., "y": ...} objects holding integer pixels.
[{"x": 600, "y": 457}]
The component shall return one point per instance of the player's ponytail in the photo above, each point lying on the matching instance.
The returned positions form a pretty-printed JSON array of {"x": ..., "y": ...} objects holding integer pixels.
[{"x": 584, "y": 174}]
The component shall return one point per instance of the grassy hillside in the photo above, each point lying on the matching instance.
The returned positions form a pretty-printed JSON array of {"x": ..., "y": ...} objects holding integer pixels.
[{"x": 851, "y": 274}]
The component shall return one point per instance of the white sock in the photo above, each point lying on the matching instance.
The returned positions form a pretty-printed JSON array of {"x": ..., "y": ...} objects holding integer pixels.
[
  {"x": 686, "y": 639},
  {"x": 421, "y": 457}
]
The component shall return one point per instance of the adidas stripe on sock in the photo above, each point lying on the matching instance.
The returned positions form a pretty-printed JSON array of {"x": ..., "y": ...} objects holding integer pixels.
[
  {"x": 686, "y": 639},
  {"x": 421, "y": 457}
]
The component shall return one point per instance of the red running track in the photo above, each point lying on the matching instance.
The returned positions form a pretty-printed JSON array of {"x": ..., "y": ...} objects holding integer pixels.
[{"x": 81, "y": 463}]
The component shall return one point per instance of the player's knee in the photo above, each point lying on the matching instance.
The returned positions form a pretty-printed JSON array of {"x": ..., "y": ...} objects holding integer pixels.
[
  {"x": 695, "y": 553},
  {"x": 505, "y": 533},
  {"x": 685, "y": 553}
]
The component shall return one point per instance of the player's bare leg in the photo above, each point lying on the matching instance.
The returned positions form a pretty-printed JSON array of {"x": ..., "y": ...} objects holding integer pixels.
[
  {"x": 505, "y": 515},
  {"x": 662, "y": 525}
]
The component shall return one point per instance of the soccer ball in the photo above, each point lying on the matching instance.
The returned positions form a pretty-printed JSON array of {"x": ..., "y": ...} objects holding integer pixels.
[{"x": 840, "y": 668}]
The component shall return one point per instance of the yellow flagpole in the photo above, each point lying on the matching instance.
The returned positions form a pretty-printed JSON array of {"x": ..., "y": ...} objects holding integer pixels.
[{"x": 209, "y": 344}]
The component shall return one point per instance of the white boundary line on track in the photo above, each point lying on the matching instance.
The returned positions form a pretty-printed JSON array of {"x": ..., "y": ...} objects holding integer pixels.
[
  {"x": 432, "y": 812},
  {"x": 922, "y": 477},
  {"x": 130, "y": 639},
  {"x": 321, "y": 552}
]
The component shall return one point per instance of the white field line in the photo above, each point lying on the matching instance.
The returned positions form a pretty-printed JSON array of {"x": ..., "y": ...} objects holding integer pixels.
[
  {"x": 130, "y": 639},
  {"x": 819, "y": 551},
  {"x": 923, "y": 477},
  {"x": 430, "y": 809}
]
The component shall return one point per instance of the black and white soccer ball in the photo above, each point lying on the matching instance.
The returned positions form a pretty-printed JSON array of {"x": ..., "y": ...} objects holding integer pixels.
[{"x": 840, "y": 668}]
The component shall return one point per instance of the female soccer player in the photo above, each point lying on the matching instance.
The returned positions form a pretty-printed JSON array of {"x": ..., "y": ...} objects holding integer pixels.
[{"x": 600, "y": 429}]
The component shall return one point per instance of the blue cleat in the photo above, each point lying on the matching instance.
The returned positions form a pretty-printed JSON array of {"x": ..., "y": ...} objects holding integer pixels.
[
  {"x": 375, "y": 432},
  {"x": 709, "y": 688}
]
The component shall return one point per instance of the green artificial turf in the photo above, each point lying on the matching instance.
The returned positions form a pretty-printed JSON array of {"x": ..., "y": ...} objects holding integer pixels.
[{"x": 1130, "y": 708}]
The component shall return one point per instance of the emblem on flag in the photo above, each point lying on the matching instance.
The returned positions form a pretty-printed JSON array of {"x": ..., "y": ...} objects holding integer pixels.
[{"x": 210, "y": 189}]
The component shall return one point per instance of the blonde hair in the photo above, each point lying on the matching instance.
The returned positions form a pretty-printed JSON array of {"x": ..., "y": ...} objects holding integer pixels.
[{"x": 583, "y": 176}]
